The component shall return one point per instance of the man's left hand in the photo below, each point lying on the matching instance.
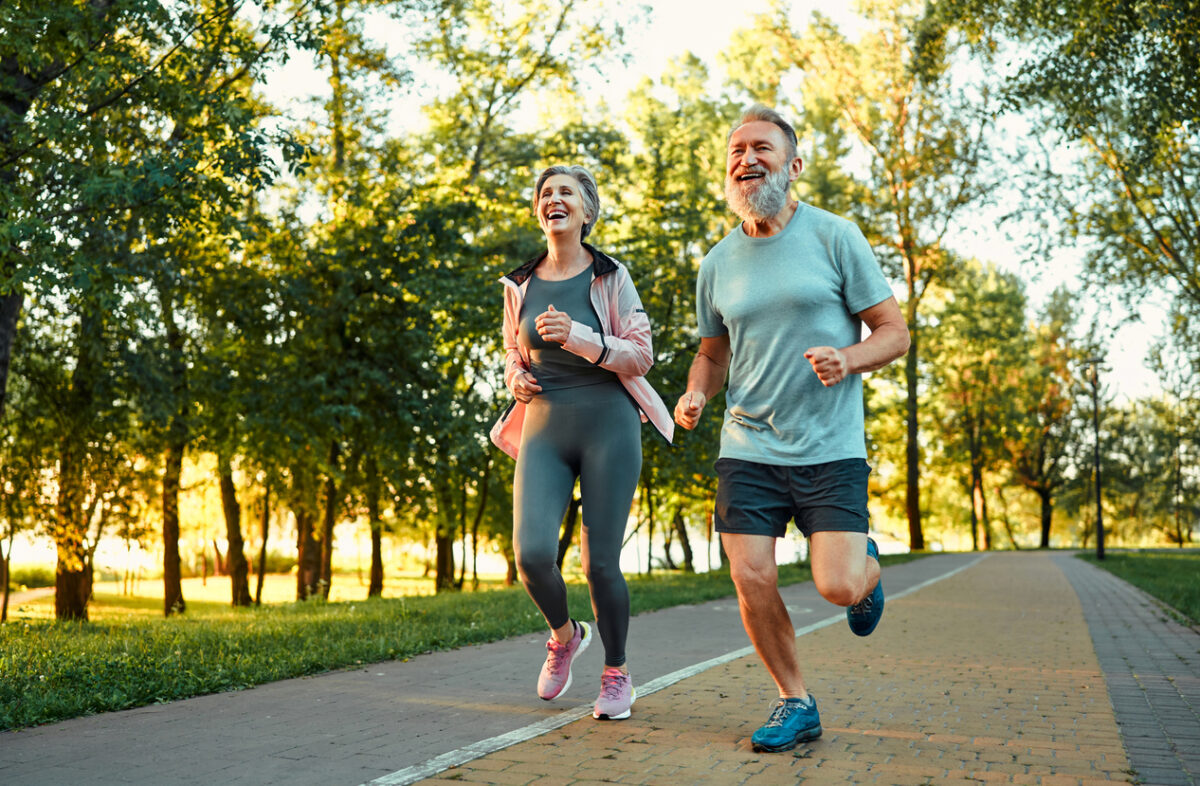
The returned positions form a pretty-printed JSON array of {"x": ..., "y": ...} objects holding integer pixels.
[{"x": 829, "y": 364}]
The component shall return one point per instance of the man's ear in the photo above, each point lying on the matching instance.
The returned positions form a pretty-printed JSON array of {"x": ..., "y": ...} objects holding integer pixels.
[{"x": 795, "y": 168}]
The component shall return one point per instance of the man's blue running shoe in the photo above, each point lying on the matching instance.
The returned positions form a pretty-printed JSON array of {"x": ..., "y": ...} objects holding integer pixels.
[
  {"x": 792, "y": 722},
  {"x": 864, "y": 615}
]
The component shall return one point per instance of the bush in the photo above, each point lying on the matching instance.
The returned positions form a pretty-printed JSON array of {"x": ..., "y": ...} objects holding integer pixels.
[
  {"x": 30, "y": 576},
  {"x": 276, "y": 562}
]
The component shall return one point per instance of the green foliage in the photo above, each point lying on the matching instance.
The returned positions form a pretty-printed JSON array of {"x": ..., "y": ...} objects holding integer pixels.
[
  {"x": 1120, "y": 82},
  {"x": 53, "y": 671},
  {"x": 1093, "y": 59},
  {"x": 333, "y": 333},
  {"x": 977, "y": 353},
  {"x": 1173, "y": 578},
  {"x": 31, "y": 576}
]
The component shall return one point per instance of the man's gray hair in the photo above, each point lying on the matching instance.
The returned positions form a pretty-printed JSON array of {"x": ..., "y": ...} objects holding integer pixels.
[
  {"x": 587, "y": 190},
  {"x": 759, "y": 112}
]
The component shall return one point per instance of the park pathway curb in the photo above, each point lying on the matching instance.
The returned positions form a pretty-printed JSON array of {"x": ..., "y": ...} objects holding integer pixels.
[{"x": 1151, "y": 664}]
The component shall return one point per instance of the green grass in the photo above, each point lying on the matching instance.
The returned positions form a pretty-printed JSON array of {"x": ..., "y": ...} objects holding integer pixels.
[{"x": 1173, "y": 578}]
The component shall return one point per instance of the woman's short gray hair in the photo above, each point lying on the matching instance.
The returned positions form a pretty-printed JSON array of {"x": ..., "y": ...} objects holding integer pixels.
[{"x": 587, "y": 190}]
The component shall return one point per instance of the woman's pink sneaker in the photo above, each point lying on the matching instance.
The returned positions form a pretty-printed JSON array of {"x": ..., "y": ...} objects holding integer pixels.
[
  {"x": 617, "y": 695},
  {"x": 556, "y": 672}
]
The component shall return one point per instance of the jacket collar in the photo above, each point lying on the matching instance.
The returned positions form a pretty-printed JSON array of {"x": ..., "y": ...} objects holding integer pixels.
[{"x": 601, "y": 263}]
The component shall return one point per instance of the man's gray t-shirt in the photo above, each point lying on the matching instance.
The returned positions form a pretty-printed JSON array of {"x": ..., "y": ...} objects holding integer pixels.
[{"x": 776, "y": 297}]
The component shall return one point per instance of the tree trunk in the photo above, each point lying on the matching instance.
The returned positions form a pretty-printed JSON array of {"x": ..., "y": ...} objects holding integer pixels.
[
  {"x": 976, "y": 503},
  {"x": 462, "y": 528},
  {"x": 1047, "y": 514},
  {"x": 510, "y": 575},
  {"x": 443, "y": 539},
  {"x": 235, "y": 561},
  {"x": 444, "y": 568},
  {"x": 70, "y": 582},
  {"x": 308, "y": 556},
  {"x": 177, "y": 438},
  {"x": 483, "y": 496},
  {"x": 328, "y": 521},
  {"x": 985, "y": 521},
  {"x": 689, "y": 564},
  {"x": 912, "y": 447},
  {"x": 262, "y": 552},
  {"x": 219, "y": 566},
  {"x": 70, "y": 596},
  {"x": 375, "y": 585},
  {"x": 173, "y": 602},
  {"x": 567, "y": 533},
  {"x": 1004, "y": 519},
  {"x": 10, "y": 309},
  {"x": 5, "y": 569}
]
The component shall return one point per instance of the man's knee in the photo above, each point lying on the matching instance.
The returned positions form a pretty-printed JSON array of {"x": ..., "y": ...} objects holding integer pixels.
[
  {"x": 751, "y": 577},
  {"x": 841, "y": 589}
]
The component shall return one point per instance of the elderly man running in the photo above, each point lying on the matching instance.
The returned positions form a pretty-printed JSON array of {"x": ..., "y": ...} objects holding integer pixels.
[{"x": 780, "y": 303}]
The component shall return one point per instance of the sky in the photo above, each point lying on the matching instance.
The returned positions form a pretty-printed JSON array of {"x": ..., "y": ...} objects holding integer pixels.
[{"x": 704, "y": 27}]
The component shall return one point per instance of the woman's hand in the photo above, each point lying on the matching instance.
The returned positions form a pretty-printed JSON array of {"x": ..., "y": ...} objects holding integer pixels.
[
  {"x": 525, "y": 387},
  {"x": 553, "y": 325}
]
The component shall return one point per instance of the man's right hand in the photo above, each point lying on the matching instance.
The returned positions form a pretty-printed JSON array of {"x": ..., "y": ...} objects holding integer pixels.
[{"x": 688, "y": 409}]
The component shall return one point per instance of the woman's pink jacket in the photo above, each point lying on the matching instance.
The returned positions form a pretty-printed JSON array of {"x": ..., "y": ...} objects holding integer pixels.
[{"x": 622, "y": 346}]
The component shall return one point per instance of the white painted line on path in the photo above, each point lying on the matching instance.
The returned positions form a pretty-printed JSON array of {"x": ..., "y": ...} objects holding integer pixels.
[{"x": 476, "y": 750}]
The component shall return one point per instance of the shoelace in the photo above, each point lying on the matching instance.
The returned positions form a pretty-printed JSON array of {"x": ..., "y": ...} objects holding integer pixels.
[
  {"x": 610, "y": 685},
  {"x": 557, "y": 652},
  {"x": 863, "y": 606},
  {"x": 779, "y": 714}
]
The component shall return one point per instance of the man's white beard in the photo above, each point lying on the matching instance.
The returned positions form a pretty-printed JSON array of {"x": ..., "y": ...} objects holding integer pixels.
[{"x": 763, "y": 201}]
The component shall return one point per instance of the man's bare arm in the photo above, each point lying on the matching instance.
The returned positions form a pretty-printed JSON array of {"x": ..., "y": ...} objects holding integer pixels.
[
  {"x": 888, "y": 340},
  {"x": 705, "y": 379}
]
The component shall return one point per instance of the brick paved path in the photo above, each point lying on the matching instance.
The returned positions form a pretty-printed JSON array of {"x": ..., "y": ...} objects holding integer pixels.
[{"x": 987, "y": 677}]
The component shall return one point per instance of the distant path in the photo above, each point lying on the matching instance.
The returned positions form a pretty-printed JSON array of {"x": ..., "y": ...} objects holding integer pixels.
[{"x": 24, "y": 596}]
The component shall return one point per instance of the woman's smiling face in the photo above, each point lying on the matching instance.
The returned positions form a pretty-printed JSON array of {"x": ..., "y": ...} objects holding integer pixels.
[{"x": 560, "y": 206}]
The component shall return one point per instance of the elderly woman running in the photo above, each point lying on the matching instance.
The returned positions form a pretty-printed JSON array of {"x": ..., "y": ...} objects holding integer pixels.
[{"x": 577, "y": 345}]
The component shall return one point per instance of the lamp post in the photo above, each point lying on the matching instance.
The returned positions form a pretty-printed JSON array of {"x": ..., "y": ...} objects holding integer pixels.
[{"x": 1094, "y": 362}]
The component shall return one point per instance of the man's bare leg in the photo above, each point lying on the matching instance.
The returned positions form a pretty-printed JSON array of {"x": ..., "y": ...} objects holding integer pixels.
[
  {"x": 842, "y": 571},
  {"x": 766, "y": 619}
]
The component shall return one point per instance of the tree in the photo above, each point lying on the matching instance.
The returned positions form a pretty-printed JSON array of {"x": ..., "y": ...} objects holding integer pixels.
[
  {"x": 1121, "y": 79},
  {"x": 95, "y": 168},
  {"x": 497, "y": 57},
  {"x": 1042, "y": 431},
  {"x": 923, "y": 132},
  {"x": 977, "y": 352},
  {"x": 672, "y": 211}
]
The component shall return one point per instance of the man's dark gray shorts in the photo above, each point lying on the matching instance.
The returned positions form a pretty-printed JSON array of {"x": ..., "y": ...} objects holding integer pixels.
[{"x": 760, "y": 499}]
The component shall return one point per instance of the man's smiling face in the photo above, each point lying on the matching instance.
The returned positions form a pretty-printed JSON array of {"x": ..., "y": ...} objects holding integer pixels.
[{"x": 758, "y": 171}]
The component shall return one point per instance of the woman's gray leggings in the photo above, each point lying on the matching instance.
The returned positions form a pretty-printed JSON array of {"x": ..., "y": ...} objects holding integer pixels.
[{"x": 591, "y": 433}]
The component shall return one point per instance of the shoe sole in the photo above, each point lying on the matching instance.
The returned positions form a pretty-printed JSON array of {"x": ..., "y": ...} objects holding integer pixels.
[
  {"x": 583, "y": 645},
  {"x": 808, "y": 735},
  {"x": 623, "y": 715}
]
